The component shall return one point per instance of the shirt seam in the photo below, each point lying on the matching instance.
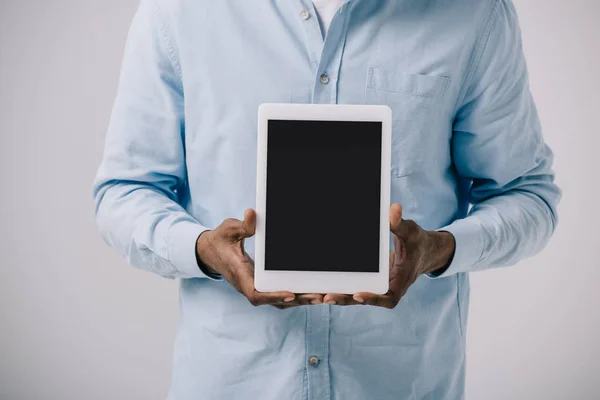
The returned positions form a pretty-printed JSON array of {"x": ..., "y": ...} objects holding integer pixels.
[
  {"x": 171, "y": 52},
  {"x": 475, "y": 60},
  {"x": 176, "y": 65},
  {"x": 458, "y": 305}
]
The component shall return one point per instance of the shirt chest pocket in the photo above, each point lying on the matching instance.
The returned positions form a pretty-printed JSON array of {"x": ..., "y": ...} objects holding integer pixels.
[{"x": 413, "y": 100}]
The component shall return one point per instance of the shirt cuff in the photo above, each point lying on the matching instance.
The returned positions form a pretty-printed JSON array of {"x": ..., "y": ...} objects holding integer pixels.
[
  {"x": 468, "y": 236},
  {"x": 182, "y": 250}
]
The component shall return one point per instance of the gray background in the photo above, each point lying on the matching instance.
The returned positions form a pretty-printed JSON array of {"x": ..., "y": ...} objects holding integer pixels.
[{"x": 77, "y": 323}]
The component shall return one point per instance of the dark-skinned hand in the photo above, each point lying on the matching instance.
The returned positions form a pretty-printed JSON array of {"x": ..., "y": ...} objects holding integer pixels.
[
  {"x": 222, "y": 251},
  {"x": 416, "y": 252}
]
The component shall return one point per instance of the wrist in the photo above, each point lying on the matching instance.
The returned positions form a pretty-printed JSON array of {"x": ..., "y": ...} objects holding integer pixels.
[
  {"x": 202, "y": 249},
  {"x": 442, "y": 251}
]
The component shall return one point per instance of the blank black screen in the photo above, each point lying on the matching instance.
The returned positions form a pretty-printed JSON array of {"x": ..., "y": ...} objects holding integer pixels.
[{"x": 323, "y": 196}]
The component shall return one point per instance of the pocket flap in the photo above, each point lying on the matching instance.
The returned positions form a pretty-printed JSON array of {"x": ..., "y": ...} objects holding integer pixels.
[{"x": 414, "y": 84}]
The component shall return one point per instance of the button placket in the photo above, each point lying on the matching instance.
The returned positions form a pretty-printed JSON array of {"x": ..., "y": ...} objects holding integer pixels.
[
  {"x": 325, "y": 89},
  {"x": 314, "y": 39},
  {"x": 317, "y": 352}
]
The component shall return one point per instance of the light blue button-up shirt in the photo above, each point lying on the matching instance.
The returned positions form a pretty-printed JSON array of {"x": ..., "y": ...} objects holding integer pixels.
[{"x": 181, "y": 157}]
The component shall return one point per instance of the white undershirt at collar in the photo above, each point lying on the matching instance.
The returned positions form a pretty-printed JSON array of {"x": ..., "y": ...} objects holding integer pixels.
[{"x": 326, "y": 10}]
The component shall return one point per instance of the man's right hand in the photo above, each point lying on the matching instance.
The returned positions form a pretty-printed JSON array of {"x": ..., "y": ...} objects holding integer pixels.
[{"x": 222, "y": 251}]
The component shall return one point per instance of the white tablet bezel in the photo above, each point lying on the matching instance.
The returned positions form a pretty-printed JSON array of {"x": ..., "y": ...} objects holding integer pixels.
[{"x": 320, "y": 281}]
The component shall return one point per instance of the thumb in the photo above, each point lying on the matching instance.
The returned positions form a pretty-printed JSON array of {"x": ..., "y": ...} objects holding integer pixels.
[
  {"x": 249, "y": 223},
  {"x": 395, "y": 218}
]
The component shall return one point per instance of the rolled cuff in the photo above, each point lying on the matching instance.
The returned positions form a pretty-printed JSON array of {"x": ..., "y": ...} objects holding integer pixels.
[
  {"x": 469, "y": 239},
  {"x": 182, "y": 250}
]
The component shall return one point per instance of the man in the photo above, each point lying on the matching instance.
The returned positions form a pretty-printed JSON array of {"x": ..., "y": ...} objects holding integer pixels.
[{"x": 176, "y": 188}]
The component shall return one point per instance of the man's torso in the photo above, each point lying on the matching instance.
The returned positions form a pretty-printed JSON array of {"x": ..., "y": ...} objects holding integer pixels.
[{"x": 411, "y": 55}]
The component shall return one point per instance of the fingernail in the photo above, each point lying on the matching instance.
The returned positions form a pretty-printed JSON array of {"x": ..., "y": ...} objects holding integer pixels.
[
  {"x": 315, "y": 301},
  {"x": 330, "y": 302},
  {"x": 359, "y": 299},
  {"x": 288, "y": 299}
]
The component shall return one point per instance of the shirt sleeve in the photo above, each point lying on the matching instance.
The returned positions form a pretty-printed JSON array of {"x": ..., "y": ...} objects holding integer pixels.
[
  {"x": 498, "y": 148},
  {"x": 143, "y": 175}
]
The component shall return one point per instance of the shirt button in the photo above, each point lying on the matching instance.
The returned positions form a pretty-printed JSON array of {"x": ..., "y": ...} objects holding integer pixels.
[
  {"x": 313, "y": 361},
  {"x": 305, "y": 14},
  {"x": 324, "y": 79}
]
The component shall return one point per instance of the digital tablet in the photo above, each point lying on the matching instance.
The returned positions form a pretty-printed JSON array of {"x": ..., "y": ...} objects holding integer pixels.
[{"x": 323, "y": 198}]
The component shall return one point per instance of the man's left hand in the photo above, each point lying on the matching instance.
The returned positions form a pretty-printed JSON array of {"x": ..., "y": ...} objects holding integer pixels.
[{"x": 416, "y": 252}]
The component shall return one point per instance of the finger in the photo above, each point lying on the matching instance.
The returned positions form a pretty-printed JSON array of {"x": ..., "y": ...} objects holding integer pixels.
[
  {"x": 248, "y": 227},
  {"x": 245, "y": 282},
  {"x": 249, "y": 223},
  {"x": 257, "y": 298},
  {"x": 402, "y": 228},
  {"x": 236, "y": 230},
  {"x": 301, "y": 300},
  {"x": 372, "y": 299},
  {"x": 395, "y": 217},
  {"x": 339, "y": 299},
  {"x": 307, "y": 299}
]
